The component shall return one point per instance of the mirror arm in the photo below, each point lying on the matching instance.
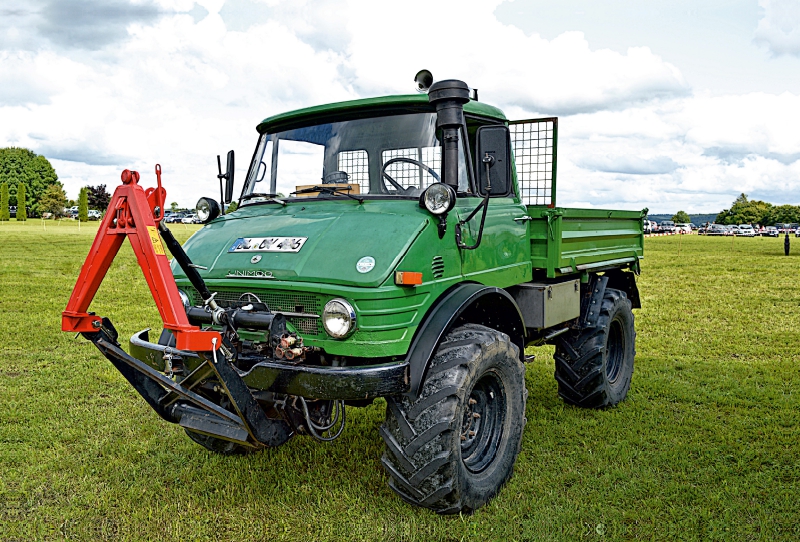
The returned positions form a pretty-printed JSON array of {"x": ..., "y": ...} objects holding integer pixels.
[
  {"x": 459, "y": 242},
  {"x": 488, "y": 161},
  {"x": 221, "y": 176}
]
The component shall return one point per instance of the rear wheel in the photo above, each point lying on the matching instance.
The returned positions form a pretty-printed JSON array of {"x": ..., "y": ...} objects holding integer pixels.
[
  {"x": 594, "y": 366},
  {"x": 454, "y": 447}
]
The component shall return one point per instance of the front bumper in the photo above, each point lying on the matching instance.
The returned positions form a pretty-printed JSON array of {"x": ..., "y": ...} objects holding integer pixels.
[{"x": 311, "y": 382}]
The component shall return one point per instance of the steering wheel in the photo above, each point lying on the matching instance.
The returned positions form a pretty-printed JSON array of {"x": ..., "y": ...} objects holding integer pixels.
[{"x": 417, "y": 163}]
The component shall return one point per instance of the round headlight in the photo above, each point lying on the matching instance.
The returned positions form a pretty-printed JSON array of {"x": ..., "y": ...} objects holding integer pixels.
[
  {"x": 338, "y": 318},
  {"x": 207, "y": 210},
  {"x": 184, "y": 299},
  {"x": 438, "y": 198}
]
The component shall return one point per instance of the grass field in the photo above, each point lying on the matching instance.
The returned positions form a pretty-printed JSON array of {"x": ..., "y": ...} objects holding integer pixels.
[{"x": 705, "y": 447}]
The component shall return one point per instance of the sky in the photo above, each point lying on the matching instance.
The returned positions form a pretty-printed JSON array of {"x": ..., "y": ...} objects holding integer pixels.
[{"x": 670, "y": 105}]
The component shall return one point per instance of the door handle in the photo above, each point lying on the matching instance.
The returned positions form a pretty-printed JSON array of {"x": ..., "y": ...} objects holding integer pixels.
[{"x": 523, "y": 219}]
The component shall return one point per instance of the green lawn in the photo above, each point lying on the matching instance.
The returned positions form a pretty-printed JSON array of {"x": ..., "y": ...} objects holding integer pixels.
[{"x": 705, "y": 447}]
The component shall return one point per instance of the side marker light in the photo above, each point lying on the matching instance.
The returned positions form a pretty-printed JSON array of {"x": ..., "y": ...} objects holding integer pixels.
[{"x": 407, "y": 278}]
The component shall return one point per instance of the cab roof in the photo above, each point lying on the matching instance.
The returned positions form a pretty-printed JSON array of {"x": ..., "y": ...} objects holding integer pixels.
[{"x": 368, "y": 107}]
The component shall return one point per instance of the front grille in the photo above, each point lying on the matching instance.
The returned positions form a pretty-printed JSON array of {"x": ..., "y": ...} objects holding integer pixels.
[
  {"x": 437, "y": 267},
  {"x": 277, "y": 301}
]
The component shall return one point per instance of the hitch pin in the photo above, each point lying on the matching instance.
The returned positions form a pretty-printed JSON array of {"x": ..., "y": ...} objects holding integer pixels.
[
  {"x": 214, "y": 348},
  {"x": 168, "y": 362}
]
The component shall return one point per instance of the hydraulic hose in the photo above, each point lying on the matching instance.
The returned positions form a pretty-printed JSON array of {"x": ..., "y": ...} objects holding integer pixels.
[{"x": 184, "y": 262}]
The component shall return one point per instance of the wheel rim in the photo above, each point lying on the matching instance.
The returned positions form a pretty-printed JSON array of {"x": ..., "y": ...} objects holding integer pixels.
[
  {"x": 483, "y": 421},
  {"x": 615, "y": 350}
]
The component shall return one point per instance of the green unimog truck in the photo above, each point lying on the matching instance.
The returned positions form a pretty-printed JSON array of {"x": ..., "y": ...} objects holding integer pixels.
[{"x": 403, "y": 247}]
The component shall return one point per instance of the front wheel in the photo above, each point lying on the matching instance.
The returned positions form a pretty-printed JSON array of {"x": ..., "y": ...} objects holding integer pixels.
[
  {"x": 453, "y": 448},
  {"x": 594, "y": 366}
]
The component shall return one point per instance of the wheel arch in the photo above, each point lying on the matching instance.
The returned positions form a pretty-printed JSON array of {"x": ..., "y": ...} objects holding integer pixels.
[{"x": 464, "y": 303}]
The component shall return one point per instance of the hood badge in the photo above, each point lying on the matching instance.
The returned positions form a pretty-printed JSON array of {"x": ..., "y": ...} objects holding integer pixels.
[
  {"x": 268, "y": 244},
  {"x": 365, "y": 264},
  {"x": 256, "y": 258},
  {"x": 249, "y": 274}
]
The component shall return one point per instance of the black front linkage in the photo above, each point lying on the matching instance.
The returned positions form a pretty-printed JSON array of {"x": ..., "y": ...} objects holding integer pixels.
[{"x": 178, "y": 403}]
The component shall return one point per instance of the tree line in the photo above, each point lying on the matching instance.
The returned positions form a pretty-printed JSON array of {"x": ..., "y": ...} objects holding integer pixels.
[
  {"x": 747, "y": 211},
  {"x": 29, "y": 182}
]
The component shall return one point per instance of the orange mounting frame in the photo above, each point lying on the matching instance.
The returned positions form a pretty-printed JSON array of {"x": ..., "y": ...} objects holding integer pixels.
[{"x": 131, "y": 213}]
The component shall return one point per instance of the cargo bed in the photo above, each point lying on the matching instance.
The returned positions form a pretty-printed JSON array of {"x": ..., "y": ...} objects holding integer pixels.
[{"x": 568, "y": 241}]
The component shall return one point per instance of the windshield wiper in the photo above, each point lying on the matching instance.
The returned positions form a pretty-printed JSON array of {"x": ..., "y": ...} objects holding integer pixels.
[
  {"x": 270, "y": 197},
  {"x": 330, "y": 190}
]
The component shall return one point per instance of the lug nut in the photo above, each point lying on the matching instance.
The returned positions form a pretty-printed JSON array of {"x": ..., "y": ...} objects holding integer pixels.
[
  {"x": 472, "y": 433},
  {"x": 463, "y": 438},
  {"x": 476, "y": 415},
  {"x": 472, "y": 401}
]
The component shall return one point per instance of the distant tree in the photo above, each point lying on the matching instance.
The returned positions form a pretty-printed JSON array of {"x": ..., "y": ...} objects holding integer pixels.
[
  {"x": 232, "y": 207},
  {"x": 99, "y": 197},
  {"x": 4, "y": 214},
  {"x": 784, "y": 214},
  {"x": 681, "y": 218},
  {"x": 744, "y": 211},
  {"x": 22, "y": 211},
  {"x": 173, "y": 206},
  {"x": 83, "y": 204},
  {"x": 53, "y": 200},
  {"x": 22, "y": 165}
]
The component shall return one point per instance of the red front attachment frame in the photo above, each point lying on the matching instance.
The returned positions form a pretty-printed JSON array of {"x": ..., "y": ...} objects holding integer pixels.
[{"x": 131, "y": 213}]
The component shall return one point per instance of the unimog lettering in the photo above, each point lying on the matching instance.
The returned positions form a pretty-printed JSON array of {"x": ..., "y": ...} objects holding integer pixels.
[{"x": 437, "y": 253}]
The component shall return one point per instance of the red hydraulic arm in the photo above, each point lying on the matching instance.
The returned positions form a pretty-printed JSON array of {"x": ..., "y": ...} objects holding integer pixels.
[{"x": 131, "y": 213}]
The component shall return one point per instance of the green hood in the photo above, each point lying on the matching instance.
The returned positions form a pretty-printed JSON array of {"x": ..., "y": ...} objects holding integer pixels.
[{"x": 338, "y": 235}]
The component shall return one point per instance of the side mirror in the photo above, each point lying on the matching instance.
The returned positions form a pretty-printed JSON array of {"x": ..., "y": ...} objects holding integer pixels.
[
  {"x": 229, "y": 178},
  {"x": 493, "y": 160},
  {"x": 226, "y": 191}
]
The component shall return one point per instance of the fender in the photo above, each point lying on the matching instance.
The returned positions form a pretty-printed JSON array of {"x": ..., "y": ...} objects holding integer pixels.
[
  {"x": 625, "y": 281},
  {"x": 465, "y": 303}
]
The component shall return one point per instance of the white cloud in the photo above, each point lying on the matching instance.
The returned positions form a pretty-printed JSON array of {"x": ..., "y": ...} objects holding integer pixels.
[
  {"x": 562, "y": 76},
  {"x": 720, "y": 146},
  {"x": 779, "y": 28}
]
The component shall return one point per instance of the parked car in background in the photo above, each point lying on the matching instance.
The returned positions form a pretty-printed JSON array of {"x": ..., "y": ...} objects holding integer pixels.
[
  {"x": 683, "y": 228},
  {"x": 667, "y": 226},
  {"x": 12, "y": 211},
  {"x": 769, "y": 231},
  {"x": 189, "y": 219},
  {"x": 94, "y": 214},
  {"x": 745, "y": 230},
  {"x": 174, "y": 218},
  {"x": 716, "y": 229}
]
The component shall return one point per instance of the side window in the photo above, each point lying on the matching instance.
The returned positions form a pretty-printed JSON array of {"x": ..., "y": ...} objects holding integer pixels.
[
  {"x": 356, "y": 165},
  {"x": 261, "y": 170},
  {"x": 535, "y": 143}
]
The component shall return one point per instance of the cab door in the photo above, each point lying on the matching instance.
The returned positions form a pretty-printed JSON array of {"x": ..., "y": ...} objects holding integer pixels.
[{"x": 502, "y": 255}]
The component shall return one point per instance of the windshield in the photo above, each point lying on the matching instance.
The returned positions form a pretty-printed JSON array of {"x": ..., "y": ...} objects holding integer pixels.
[{"x": 396, "y": 155}]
